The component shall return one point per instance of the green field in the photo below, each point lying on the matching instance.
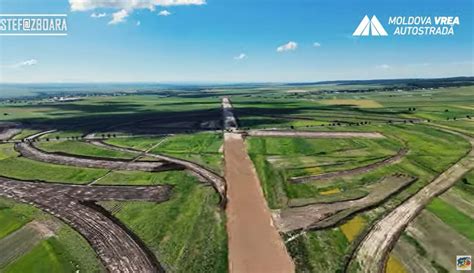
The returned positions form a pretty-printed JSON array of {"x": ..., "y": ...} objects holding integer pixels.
[
  {"x": 454, "y": 218},
  {"x": 66, "y": 251},
  {"x": 13, "y": 216},
  {"x": 202, "y": 148},
  {"x": 187, "y": 233},
  {"x": 81, "y": 148}
]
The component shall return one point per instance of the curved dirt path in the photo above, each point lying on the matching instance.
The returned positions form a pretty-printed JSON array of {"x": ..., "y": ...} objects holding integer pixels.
[
  {"x": 324, "y": 215},
  {"x": 363, "y": 169},
  {"x": 9, "y": 130},
  {"x": 118, "y": 249},
  {"x": 29, "y": 151},
  {"x": 254, "y": 243},
  {"x": 372, "y": 252},
  {"x": 202, "y": 172}
]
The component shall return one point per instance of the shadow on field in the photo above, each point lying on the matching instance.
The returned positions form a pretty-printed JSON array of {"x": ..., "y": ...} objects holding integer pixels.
[{"x": 131, "y": 118}]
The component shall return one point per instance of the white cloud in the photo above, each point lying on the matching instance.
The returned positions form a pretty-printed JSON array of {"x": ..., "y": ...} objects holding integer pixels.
[
  {"x": 98, "y": 15},
  {"x": 85, "y": 5},
  {"x": 119, "y": 17},
  {"x": 29, "y": 62},
  {"x": 164, "y": 13},
  {"x": 316, "y": 44},
  {"x": 383, "y": 66},
  {"x": 287, "y": 47},
  {"x": 241, "y": 56}
]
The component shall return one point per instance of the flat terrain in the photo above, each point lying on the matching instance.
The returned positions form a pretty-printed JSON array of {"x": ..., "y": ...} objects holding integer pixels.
[
  {"x": 254, "y": 243},
  {"x": 388, "y": 180}
]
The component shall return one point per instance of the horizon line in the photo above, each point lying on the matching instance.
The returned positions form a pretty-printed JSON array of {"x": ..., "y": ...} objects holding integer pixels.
[{"x": 234, "y": 82}]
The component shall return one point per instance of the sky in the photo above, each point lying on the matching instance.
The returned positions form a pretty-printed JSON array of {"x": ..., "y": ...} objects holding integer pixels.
[{"x": 233, "y": 41}]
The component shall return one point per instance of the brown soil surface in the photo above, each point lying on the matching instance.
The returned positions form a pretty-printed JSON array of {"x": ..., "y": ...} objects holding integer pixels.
[
  {"x": 118, "y": 249},
  {"x": 319, "y": 216},
  {"x": 254, "y": 243},
  {"x": 29, "y": 151}
]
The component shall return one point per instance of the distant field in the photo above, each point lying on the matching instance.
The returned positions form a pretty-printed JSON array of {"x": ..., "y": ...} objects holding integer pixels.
[{"x": 362, "y": 103}]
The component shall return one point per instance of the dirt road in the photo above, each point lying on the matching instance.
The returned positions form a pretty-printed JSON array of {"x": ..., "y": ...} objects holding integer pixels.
[
  {"x": 311, "y": 134},
  {"x": 254, "y": 243},
  {"x": 372, "y": 253},
  {"x": 9, "y": 130},
  {"x": 324, "y": 215},
  {"x": 117, "y": 248},
  {"x": 230, "y": 122},
  {"x": 29, "y": 151}
]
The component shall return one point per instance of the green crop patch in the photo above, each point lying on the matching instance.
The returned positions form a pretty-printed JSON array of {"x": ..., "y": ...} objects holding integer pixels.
[{"x": 453, "y": 217}]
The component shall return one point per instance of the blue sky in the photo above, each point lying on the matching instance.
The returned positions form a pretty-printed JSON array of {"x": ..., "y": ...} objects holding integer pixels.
[{"x": 233, "y": 41}]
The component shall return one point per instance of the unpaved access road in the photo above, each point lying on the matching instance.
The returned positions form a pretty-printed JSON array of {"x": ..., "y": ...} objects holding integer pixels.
[
  {"x": 202, "y": 172},
  {"x": 254, "y": 243},
  {"x": 359, "y": 170},
  {"x": 311, "y": 134},
  {"x": 372, "y": 253},
  {"x": 118, "y": 250},
  {"x": 230, "y": 122},
  {"x": 29, "y": 151},
  {"x": 324, "y": 215},
  {"x": 9, "y": 130}
]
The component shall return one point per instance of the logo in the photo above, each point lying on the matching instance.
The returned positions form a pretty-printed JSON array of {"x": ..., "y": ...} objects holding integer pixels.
[
  {"x": 370, "y": 26},
  {"x": 413, "y": 25},
  {"x": 463, "y": 262},
  {"x": 33, "y": 24}
]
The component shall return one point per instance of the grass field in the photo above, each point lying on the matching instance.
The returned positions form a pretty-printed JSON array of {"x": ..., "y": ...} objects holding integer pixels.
[
  {"x": 65, "y": 252},
  {"x": 453, "y": 217},
  {"x": 81, "y": 148},
  {"x": 13, "y": 216},
  {"x": 202, "y": 148},
  {"x": 42, "y": 258},
  {"x": 139, "y": 143},
  {"x": 186, "y": 233},
  {"x": 362, "y": 103}
]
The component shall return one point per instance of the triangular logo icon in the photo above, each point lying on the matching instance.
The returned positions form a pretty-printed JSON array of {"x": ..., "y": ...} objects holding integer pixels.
[{"x": 371, "y": 27}]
